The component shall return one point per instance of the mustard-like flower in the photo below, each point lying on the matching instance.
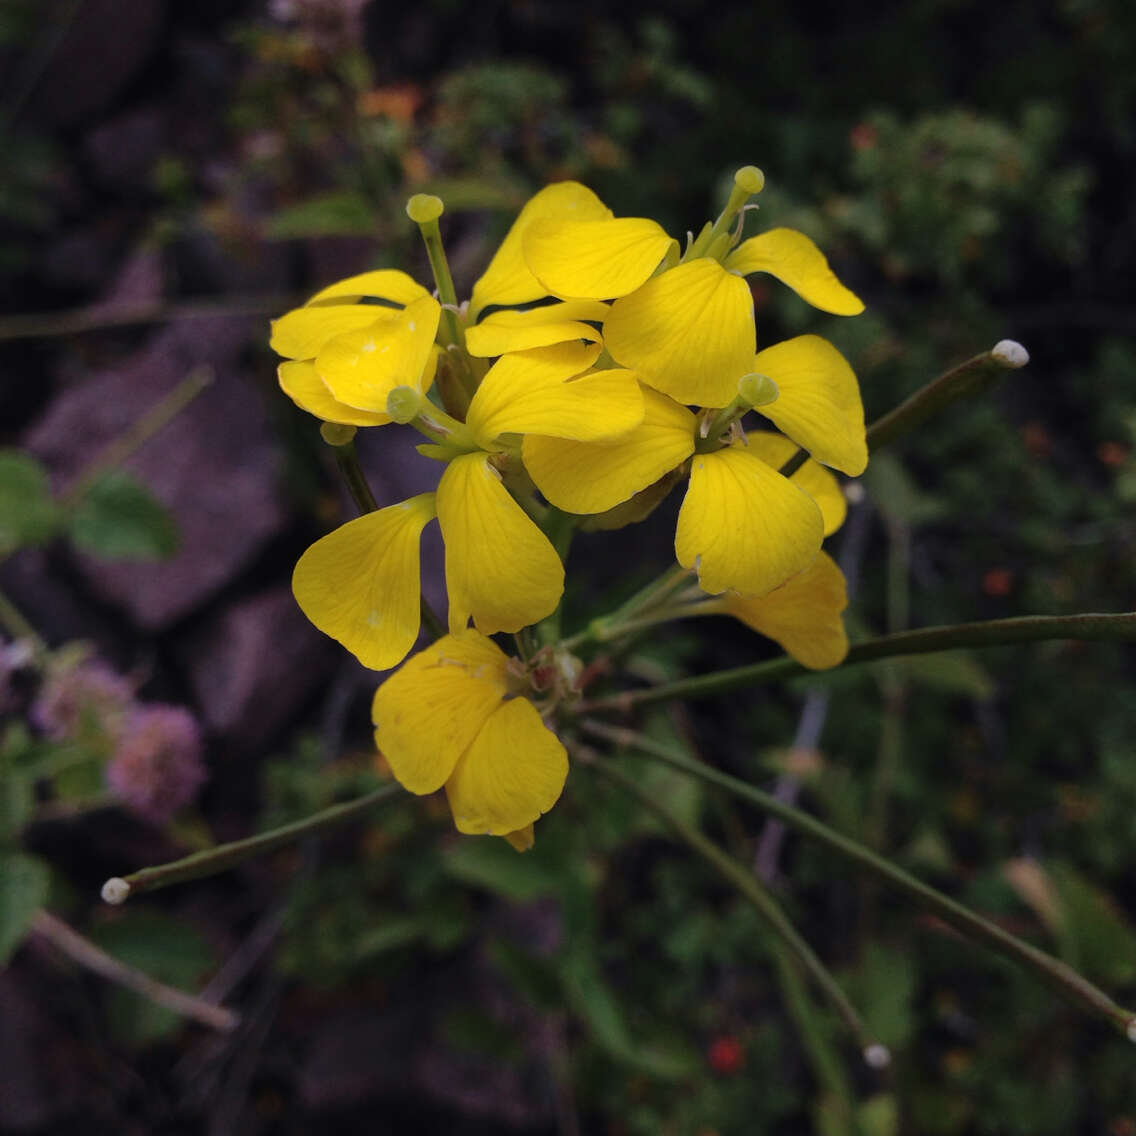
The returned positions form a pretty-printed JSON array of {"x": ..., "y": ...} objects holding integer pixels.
[
  {"x": 360, "y": 584},
  {"x": 743, "y": 526},
  {"x": 446, "y": 718},
  {"x": 687, "y": 328}
]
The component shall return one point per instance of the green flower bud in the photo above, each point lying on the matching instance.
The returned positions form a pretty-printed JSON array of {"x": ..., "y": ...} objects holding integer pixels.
[
  {"x": 757, "y": 390},
  {"x": 750, "y": 178},
  {"x": 403, "y": 404},
  {"x": 423, "y": 208},
  {"x": 336, "y": 433}
]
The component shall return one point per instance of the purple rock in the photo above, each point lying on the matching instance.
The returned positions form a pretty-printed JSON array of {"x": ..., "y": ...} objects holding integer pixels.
[
  {"x": 215, "y": 466},
  {"x": 255, "y": 663}
]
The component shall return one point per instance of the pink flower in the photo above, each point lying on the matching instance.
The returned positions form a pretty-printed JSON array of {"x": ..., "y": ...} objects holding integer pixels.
[{"x": 158, "y": 768}]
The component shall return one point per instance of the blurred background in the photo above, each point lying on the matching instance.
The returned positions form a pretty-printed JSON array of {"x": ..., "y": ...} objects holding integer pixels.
[{"x": 174, "y": 175}]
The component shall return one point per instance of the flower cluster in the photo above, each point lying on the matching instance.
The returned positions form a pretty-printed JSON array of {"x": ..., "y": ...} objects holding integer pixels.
[
  {"x": 153, "y": 751},
  {"x": 595, "y": 367}
]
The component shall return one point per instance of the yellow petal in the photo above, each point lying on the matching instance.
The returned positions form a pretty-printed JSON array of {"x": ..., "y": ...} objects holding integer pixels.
[
  {"x": 523, "y": 839},
  {"x": 361, "y": 368},
  {"x": 689, "y": 332},
  {"x": 795, "y": 260},
  {"x": 302, "y": 384},
  {"x": 500, "y": 568},
  {"x": 592, "y": 477},
  {"x": 428, "y": 713},
  {"x": 803, "y": 615},
  {"x": 813, "y": 478},
  {"x": 508, "y": 279},
  {"x": 360, "y": 583},
  {"x": 538, "y": 327},
  {"x": 383, "y": 284},
  {"x": 514, "y": 771},
  {"x": 528, "y": 393},
  {"x": 743, "y": 526},
  {"x": 818, "y": 404},
  {"x": 595, "y": 259},
  {"x": 302, "y": 332}
]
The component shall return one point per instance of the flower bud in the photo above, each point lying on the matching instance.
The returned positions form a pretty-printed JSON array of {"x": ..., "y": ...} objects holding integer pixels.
[
  {"x": 336, "y": 433},
  {"x": 757, "y": 389},
  {"x": 750, "y": 178},
  {"x": 423, "y": 208},
  {"x": 403, "y": 404}
]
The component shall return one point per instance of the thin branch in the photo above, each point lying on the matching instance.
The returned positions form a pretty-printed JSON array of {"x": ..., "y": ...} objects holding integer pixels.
[
  {"x": 156, "y": 419},
  {"x": 1111, "y": 627},
  {"x": 93, "y": 958},
  {"x": 226, "y": 856},
  {"x": 1064, "y": 979},
  {"x": 963, "y": 381},
  {"x": 47, "y": 325},
  {"x": 748, "y": 885}
]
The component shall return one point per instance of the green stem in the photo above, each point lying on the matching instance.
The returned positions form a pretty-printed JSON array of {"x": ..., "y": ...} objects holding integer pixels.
[
  {"x": 742, "y": 191},
  {"x": 747, "y": 883},
  {"x": 1111, "y": 627},
  {"x": 1066, "y": 981},
  {"x": 560, "y": 528},
  {"x": 156, "y": 419},
  {"x": 966, "y": 379},
  {"x": 356, "y": 480},
  {"x": 454, "y": 332},
  {"x": 608, "y": 627},
  {"x": 226, "y": 856}
]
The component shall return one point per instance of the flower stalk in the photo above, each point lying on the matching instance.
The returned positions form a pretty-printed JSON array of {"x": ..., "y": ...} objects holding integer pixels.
[
  {"x": 1118, "y": 627},
  {"x": 225, "y": 856},
  {"x": 1072, "y": 986},
  {"x": 748, "y": 885}
]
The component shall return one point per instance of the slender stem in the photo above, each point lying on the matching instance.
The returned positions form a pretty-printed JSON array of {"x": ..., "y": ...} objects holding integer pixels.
[
  {"x": 746, "y": 883},
  {"x": 560, "y": 528},
  {"x": 81, "y": 950},
  {"x": 1115, "y": 627},
  {"x": 959, "y": 382},
  {"x": 156, "y": 419},
  {"x": 1066, "y": 981},
  {"x": 47, "y": 325},
  {"x": 611, "y": 626},
  {"x": 356, "y": 480},
  {"x": 226, "y": 856}
]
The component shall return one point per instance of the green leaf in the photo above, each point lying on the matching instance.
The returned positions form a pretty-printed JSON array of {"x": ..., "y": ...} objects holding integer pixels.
[
  {"x": 1102, "y": 940},
  {"x": 591, "y": 997},
  {"x": 163, "y": 947},
  {"x": 879, "y": 1116},
  {"x": 896, "y": 494},
  {"x": 119, "y": 519},
  {"x": 24, "y": 881},
  {"x": 28, "y": 514},
  {"x": 491, "y": 863},
  {"x": 953, "y": 672},
  {"x": 341, "y": 213}
]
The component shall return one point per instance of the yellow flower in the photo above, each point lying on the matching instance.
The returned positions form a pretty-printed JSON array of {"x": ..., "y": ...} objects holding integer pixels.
[
  {"x": 804, "y": 615},
  {"x": 446, "y": 718},
  {"x": 360, "y": 583},
  {"x": 686, "y": 328},
  {"x": 354, "y": 342},
  {"x": 743, "y": 526}
]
